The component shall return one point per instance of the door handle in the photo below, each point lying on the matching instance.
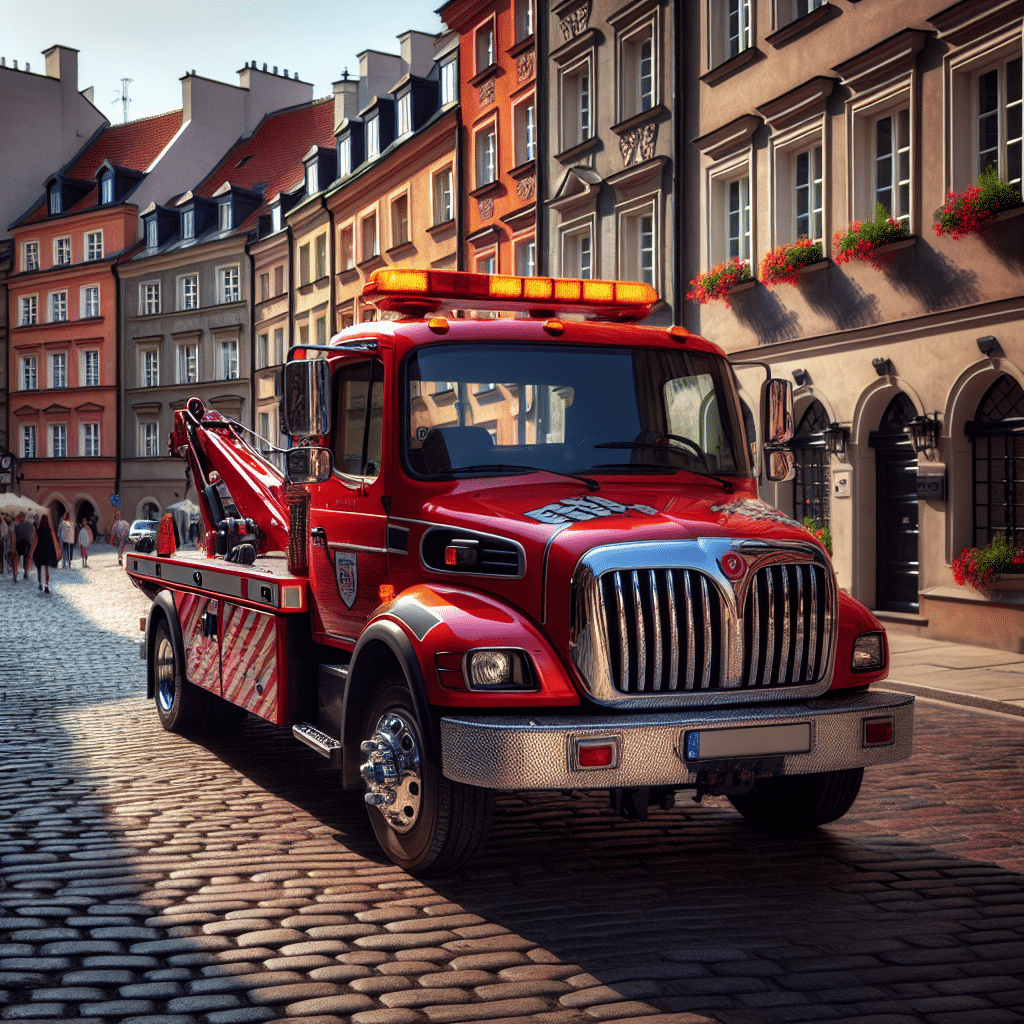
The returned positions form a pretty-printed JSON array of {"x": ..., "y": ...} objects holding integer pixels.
[{"x": 319, "y": 536}]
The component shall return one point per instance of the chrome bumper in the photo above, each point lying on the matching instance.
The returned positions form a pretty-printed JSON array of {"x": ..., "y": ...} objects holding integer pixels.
[{"x": 517, "y": 752}]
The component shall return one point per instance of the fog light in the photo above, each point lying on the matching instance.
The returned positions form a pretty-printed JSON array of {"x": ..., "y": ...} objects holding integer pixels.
[
  {"x": 593, "y": 752},
  {"x": 868, "y": 653},
  {"x": 498, "y": 670},
  {"x": 878, "y": 732}
]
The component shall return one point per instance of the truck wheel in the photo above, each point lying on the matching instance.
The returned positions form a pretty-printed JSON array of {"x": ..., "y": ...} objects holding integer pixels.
[
  {"x": 792, "y": 803},
  {"x": 423, "y": 821},
  {"x": 180, "y": 704}
]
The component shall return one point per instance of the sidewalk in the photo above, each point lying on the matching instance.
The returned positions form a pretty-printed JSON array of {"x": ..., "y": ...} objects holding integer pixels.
[{"x": 979, "y": 677}]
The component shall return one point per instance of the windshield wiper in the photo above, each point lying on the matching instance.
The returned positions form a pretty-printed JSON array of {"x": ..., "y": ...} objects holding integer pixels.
[
  {"x": 592, "y": 484},
  {"x": 727, "y": 485}
]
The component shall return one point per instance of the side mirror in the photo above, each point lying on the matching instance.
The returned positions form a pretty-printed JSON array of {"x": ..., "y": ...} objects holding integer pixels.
[
  {"x": 308, "y": 464},
  {"x": 778, "y": 429},
  {"x": 780, "y": 464},
  {"x": 307, "y": 390}
]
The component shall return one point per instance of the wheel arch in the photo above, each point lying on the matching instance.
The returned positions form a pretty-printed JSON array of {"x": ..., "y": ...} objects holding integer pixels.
[{"x": 163, "y": 608}]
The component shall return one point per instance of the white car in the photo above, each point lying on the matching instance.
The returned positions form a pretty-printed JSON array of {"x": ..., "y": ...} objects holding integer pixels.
[{"x": 143, "y": 534}]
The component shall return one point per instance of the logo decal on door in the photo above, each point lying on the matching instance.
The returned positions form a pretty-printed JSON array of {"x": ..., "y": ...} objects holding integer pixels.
[{"x": 346, "y": 572}]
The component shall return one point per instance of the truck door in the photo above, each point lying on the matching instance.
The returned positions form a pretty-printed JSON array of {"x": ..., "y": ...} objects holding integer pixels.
[{"x": 348, "y": 525}]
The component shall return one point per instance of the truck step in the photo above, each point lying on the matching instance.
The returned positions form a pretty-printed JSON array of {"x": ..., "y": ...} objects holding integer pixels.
[{"x": 318, "y": 740}]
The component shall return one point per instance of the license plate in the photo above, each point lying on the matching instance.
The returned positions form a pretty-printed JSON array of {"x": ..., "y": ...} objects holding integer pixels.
[{"x": 748, "y": 741}]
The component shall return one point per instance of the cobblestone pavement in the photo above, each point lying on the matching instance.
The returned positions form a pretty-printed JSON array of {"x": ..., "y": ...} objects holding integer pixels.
[{"x": 149, "y": 878}]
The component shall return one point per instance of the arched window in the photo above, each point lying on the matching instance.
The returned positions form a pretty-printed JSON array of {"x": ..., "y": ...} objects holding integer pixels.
[
  {"x": 997, "y": 436},
  {"x": 811, "y": 485}
]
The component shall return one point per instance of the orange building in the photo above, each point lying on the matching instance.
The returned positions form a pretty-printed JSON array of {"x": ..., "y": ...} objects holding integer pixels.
[
  {"x": 62, "y": 295},
  {"x": 498, "y": 84}
]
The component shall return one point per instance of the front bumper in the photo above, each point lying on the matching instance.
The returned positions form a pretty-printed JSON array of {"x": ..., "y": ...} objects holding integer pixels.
[{"x": 519, "y": 752}]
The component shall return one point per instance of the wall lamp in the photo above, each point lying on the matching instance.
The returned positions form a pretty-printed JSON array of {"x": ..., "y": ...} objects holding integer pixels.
[
  {"x": 924, "y": 433},
  {"x": 802, "y": 378},
  {"x": 837, "y": 437},
  {"x": 988, "y": 346},
  {"x": 883, "y": 367}
]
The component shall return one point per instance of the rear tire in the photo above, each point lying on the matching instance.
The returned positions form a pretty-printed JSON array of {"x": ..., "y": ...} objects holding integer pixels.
[
  {"x": 425, "y": 823},
  {"x": 180, "y": 704},
  {"x": 794, "y": 803}
]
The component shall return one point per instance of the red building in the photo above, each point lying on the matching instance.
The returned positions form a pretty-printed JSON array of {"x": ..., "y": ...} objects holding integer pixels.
[{"x": 62, "y": 294}]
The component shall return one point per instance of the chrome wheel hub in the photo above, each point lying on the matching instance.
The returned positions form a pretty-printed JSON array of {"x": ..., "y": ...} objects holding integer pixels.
[
  {"x": 163, "y": 670},
  {"x": 391, "y": 771}
]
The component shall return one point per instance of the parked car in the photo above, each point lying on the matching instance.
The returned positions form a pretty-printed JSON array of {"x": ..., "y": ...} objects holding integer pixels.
[{"x": 143, "y": 534}]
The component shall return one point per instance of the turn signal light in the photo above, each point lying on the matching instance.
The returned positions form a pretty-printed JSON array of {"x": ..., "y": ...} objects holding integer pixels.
[
  {"x": 879, "y": 732},
  {"x": 593, "y": 752}
]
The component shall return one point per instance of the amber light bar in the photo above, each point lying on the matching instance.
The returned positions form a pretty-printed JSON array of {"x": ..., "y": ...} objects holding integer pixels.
[{"x": 417, "y": 292}]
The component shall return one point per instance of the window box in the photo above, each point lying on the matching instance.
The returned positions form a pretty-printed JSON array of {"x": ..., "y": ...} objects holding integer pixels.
[
  {"x": 719, "y": 282},
  {"x": 870, "y": 240},
  {"x": 971, "y": 211},
  {"x": 784, "y": 264}
]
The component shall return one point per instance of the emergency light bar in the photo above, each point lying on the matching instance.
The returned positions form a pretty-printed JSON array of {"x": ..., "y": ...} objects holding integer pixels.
[{"x": 417, "y": 292}]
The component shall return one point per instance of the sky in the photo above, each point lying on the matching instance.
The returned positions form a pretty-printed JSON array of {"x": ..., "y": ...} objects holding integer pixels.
[{"x": 156, "y": 43}]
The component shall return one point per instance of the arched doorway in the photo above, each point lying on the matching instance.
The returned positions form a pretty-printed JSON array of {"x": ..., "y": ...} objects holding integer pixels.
[
  {"x": 997, "y": 441},
  {"x": 86, "y": 510},
  {"x": 811, "y": 483},
  {"x": 897, "y": 568}
]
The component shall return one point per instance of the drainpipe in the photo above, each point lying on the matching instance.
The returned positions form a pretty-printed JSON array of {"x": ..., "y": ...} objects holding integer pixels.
[
  {"x": 332, "y": 319},
  {"x": 118, "y": 378},
  {"x": 252, "y": 334},
  {"x": 540, "y": 147},
  {"x": 680, "y": 122},
  {"x": 460, "y": 223}
]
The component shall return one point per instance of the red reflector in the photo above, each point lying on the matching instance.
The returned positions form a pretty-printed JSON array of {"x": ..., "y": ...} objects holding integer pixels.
[
  {"x": 596, "y": 756},
  {"x": 878, "y": 732}
]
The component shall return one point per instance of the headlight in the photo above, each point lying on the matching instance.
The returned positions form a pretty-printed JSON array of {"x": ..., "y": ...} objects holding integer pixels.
[
  {"x": 868, "y": 653},
  {"x": 498, "y": 670}
]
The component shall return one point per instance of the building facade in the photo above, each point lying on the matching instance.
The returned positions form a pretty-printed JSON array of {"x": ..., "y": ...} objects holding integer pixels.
[{"x": 810, "y": 116}]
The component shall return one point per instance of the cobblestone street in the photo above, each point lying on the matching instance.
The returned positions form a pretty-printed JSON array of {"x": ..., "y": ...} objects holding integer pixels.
[{"x": 150, "y": 878}]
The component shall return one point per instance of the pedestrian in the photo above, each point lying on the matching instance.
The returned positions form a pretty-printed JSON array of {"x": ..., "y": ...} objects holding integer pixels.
[
  {"x": 66, "y": 536},
  {"x": 6, "y": 542},
  {"x": 24, "y": 534},
  {"x": 44, "y": 551},
  {"x": 119, "y": 536},
  {"x": 85, "y": 538}
]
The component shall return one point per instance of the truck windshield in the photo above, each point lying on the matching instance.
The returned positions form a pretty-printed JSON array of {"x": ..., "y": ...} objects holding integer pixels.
[{"x": 478, "y": 410}]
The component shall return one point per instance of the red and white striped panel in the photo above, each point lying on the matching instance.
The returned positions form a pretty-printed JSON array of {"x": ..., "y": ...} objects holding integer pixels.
[
  {"x": 249, "y": 660},
  {"x": 202, "y": 657}
]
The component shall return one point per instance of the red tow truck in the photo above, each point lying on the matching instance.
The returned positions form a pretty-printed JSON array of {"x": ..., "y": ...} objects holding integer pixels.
[{"x": 519, "y": 552}]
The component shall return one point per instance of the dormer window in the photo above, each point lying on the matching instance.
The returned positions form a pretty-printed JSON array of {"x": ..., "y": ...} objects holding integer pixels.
[
  {"x": 151, "y": 233},
  {"x": 405, "y": 114},
  {"x": 224, "y": 216},
  {"x": 344, "y": 156},
  {"x": 188, "y": 224},
  {"x": 55, "y": 203},
  {"x": 275, "y": 217},
  {"x": 107, "y": 189},
  {"x": 373, "y": 138},
  {"x": 312, "y": 179},
  {"x": 448, "y": 81}
]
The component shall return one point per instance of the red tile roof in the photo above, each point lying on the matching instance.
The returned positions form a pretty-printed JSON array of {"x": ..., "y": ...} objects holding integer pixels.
[{"x": 135, "y": 145}]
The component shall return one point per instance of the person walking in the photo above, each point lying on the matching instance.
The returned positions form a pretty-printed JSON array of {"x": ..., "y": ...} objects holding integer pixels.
[
  {"x": 24, "y": 535},
  {"x": 119, "y": 536},
  {"x": 85, "y": 538},
  {"x": 66, "y": 536},
  {"x": 6, "y": 542},
  {"x": 44, "y": 551}
]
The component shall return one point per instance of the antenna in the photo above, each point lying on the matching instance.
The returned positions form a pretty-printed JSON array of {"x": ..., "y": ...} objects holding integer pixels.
[{"x": 123, "y": 98}]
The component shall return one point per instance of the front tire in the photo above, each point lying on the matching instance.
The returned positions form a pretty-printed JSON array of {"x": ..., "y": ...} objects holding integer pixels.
[
  {"x": 795, "y": 803},
  {"x": 180, "y": 704},
  {"x": 425, "y": 823}
]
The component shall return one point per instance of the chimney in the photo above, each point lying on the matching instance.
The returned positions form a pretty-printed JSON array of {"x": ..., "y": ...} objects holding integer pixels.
[
  {"x": 417, "y": 49},
  {"x": 346, "y": 99}
]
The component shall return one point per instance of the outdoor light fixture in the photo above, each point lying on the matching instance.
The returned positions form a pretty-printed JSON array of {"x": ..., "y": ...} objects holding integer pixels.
[
  {"x": 924, "y": 433},
  {"x": 988, "y": 346},
  {"x": 837, "y": 437},
  {"x": 802, "y": 378},
  {"x": 883, "y": 367}
]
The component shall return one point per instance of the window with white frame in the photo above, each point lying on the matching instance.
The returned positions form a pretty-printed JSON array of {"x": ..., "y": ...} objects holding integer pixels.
[
  {"x": 373, "y": 138},
  {"x": 321, "y": 256},
  {"x": 732, "y": 29},
  {"x": 229, "y": 286},
  {"x": 149, "y": 298},
  {"x": 264, "y": 430},
  {"x": 577, "y": 253},
  {"x": 370, "y": 241},
  {"x": 264, "y": 287},
  {"x": 346, "y": 248},
  {"x": 58, "y": 440},
  {"x": 526, "y": 131},
  {"x": 787, "y": 11},
  {"x": 106, "y": 189},
  {"x": 89, "y": 440},
  {"x": 188, "y": 291},
  {"x": 61, "y": 251},
  {"x": 486, "y": 155},
  {"x": 229, "y": 359},
  {"x": 29, "y": 375},
  {"x": 304, "y": 265},
  {"x": 262, "y": 350},
  {"x": 484, "y": 46},
  {"x": 91, "y": 368},
  {"x": 28, "y": 441},
  {"x": 90, "y": 296},
  {"x": 999, "y": 120},
  {"x": 56, "y": 205},
  {"x": 344, "y": 164},
  {"x": 94, "y": 245},
  {"x": 224, "y": 217},
  {"x": 151, "y": 233},
  {"x": 28, "y": 310},
  {"x": 399, "y": 220},
  {"x": 638, "y": 82},
  {"x": 188, "y": 363},
  {"x": 524, "y": 19},
  {"x": 449, "y": 81},
  {"x": 149, "y": 438},
  {"x": 188, "y": 224},
  {"x": 58, "y": 306},
  {"x": 278, "y": 353},
  {"x": 58, "y": 369},
  {"x": 30, "y": 256},
  {"x": 444, "y": 208},
  {"x": 577, "y": 104},
  {"x": 405, "y": 114},
  {"x": 275, "y": 217},
  {"x": 526, "y": 258},
  {"x": 637, "y": 244},
  {"x": 312, "y": 178},
  {"x": 891, "y": 160},
  {"x": 485, "y": 265},
  {"x": 807, "y": 194},
  {"x": 729, "y": 219},
  {"x": 150, "y": 359}
]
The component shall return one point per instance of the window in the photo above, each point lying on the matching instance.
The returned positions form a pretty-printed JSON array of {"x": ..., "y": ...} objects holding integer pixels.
[
  {"x": 28, "y": 310},
  {"x": 90, "y": 301},
  {"x": 149, "y": 438},
  {"x": 998, "y": 461},
  {"x": 321, "y": 256},
  {"x": 484, "y": 46},
  {"x": 486, "y": 156},
  {"x": 524, "y": 19},
  {"x": 55, "y": 203},
  {"x": 321, "y": 330},
  {"x": 405, "y": 114},
  {"x": 58, "y": 369},
  {"x": 731, "y": 29},
  {"x": 485, "y": 265},
  {"x": 224, "y": 217},
  {"x": 61, "y": 250},
  {"x": 94, "y": 245},
  {"x": 807, "y": 192},
  {"x": 229, "y": 359},
  {"x": 152, "y": 238},
  {"x": 577, "y": 114},
  {"x": 58, "y": 440},
  {"x": 526, "y": 136},
  {"x": 229, "y": 288},
  {"x": 729, "y": 213},
  {"x": 91, "y": 368},
  {"x": 188, "y": 224},
  {"x": 150, "y": 368},
  {"x": 303, "y": 265},
  {"x": 29, "y": 375},
  {"x": 449, "y": 82},
  {"x": 58, "y": 306},
  {"x": 811, "y": 485},
  {"x": 275, "y": 217},
  {"x": 278, "y": 280},
  {"x": 638, "y": 92},
  {"x": 264, "y": 287},
  {"x": 278, "y": 345},
  {"x": 188, "y": 292},
  {"x": 106, "y": 189},
  {"x": 265, "y": 426},
  {"x": 999, "y": 121},
  {"x": 444, "y": 209},
  {"x": 30, "y": 256},
  {"x": 637, "y": 246},
  {"x": 526, "y": 258},
  {"x": 348, "y": 260},
  {"x": 399, "y": 221},
  {"x": 892, "y": 165},
  {"x": 312, "y": 179},
  {"x": 89, "y": 442},
  {"x": 304, "y": 334},
  {"x": 370, "y": 242},
  {"x": 356, "y": 441},
  {"x": 28, "y": 441},
  {"x": 577, "y": 256},
  {"x": 373, "y": 138},
  {"x": 188, "y": 363},
  {"x": 262, "y": 345},
  {"x": 150, "y": 301},
  {"x": 344, "y": 159}
]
